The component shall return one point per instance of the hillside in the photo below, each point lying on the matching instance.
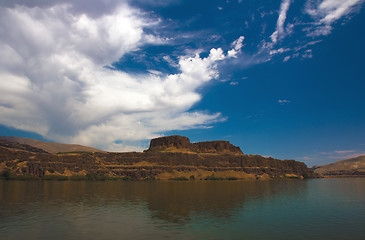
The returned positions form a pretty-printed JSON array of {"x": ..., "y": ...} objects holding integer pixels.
[
  {"x": 348, "y": 167},
  {"x": 51, "y": 147},
  {"x": 173, "y": 158}
]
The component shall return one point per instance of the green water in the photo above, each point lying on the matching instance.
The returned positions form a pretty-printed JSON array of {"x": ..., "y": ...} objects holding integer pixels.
[{"x": 292, "y": 209}]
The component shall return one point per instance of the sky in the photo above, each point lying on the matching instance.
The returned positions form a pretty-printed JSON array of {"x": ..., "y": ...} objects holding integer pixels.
[{"x": 277, "y": 78}]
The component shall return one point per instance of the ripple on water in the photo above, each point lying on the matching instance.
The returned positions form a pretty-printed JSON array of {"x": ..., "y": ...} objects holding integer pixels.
[{"x": 313, "y": 209}]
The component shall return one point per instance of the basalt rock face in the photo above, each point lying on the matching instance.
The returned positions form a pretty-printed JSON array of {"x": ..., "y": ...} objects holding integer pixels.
[
  {"x": 176, "y": 142},
  {"x": 181, "y": 144},
  {"x": 206, "y": 160},
  {"x": 216, "y": 147}
]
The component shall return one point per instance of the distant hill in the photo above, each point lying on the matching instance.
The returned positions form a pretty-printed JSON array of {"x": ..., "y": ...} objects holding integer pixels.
[
  {"x": 50, "y": 147},
  {"x": 348, "y": 167},
  {"x": 19, "y": 146}
]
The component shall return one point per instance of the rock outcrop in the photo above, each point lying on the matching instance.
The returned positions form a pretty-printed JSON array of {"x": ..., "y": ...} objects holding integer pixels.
[
  {"x": 174, "y": 142},
  {"x": 178, "y": 143},
  {"x": 171, "y": 157}
]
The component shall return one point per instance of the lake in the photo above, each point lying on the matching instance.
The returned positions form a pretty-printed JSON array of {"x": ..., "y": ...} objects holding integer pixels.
[{"x": 279, "y": 209}]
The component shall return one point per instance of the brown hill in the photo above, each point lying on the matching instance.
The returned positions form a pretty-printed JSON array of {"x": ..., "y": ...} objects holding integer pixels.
[
  {"x": 216, "y": 160},
  {"x": 349, "y": 167},
  {"x": 18, "y": 146},
  {"x": 51, "y": 147}
]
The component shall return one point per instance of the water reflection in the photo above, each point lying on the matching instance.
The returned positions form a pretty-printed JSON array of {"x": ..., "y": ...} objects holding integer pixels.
[
  {"x": 298, "y": 209},
  {"x": 175, "y": 202}
]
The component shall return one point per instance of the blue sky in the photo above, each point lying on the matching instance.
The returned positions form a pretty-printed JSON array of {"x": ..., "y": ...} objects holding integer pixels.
[{"x": 277, "y": 78}]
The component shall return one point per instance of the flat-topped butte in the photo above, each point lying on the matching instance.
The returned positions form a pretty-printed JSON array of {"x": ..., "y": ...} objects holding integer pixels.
[{"x": 178, "y": 143}]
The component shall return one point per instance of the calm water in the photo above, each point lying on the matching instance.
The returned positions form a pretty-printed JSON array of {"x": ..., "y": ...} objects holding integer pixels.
[{"x": 306, "y": 209}]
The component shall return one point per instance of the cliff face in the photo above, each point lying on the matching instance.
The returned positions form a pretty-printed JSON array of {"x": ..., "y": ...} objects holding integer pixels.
[
  {"x": 174, "y": 142},
  {"x": 206, "y": 160},
  {"x": 182, "y": 144}
]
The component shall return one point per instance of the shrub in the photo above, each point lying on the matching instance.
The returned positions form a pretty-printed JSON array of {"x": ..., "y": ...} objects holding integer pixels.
[
  {"x": 21, "y": 177},
  {"x": 149, "y": 178},
  {"x": 96, "y": 176},
  {"x": 179, "y": 179},
  {"x": 212, "y": 177},
  {"x": 5, "y": 175},
  {"x": 77, "y": 177},
  {"x": 55, "y": 177},
  {"x": 231, "y": 178}
]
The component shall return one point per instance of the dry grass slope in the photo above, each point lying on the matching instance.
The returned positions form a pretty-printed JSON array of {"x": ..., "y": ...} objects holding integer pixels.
[
  {"x": 50, "y": 147},
  {"x": 352, "y": 165}
]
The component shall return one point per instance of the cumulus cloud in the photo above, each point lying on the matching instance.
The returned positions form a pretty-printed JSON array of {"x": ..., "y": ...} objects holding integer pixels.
[{"x": 54, "y": 80}]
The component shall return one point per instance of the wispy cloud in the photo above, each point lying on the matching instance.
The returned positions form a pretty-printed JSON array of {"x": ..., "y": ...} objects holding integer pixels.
[
  {"x": 322, "y": 158},
  {"x": 283, "y": 101},
  {"x": 326, "y": 12},
  {"x": 343, "y": 154},
  {"x": 287, "y": 58},
  {"x": 305, "y": 158},
  {"x": 236, "y": 47},
  {"x": 323, "y": 14},
  {"x": 280, "y": 32}
]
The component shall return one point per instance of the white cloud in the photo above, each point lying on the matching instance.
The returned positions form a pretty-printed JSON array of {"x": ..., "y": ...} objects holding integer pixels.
[
  {"x": 326, "y": 12},
  {"x": 342, "y": 154},
  {"x": 237, "y": 45},
  {"x": 53, "y": 80},
  {"x": 344, "y": 151},
  {"x": 323, "y": 14},
  {"x": 306, "y": 158},
  {"x": 279, "y": 51},
  {"x": 287, "y": 58},
  {"x": 283, "y": 101},
  {"x": 280, "y": 32},
  {"x": 307, "y": 54}
]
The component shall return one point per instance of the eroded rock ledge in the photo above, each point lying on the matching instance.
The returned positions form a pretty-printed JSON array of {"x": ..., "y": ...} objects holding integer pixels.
[
  {"x": 178, "y": 143},
  {"x": 171, "y": 157}
]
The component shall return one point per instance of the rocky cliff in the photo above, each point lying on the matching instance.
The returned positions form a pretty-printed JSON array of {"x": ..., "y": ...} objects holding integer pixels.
[
  {"x": 171, "y": 157},
  {"x": 178, "y": 143}
]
